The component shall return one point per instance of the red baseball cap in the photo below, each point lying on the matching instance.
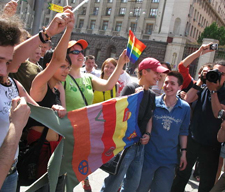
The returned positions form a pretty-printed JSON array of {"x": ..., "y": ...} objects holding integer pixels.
[
  {"x": 81, "y": 41},
  {"x": 152, "y": 63}
]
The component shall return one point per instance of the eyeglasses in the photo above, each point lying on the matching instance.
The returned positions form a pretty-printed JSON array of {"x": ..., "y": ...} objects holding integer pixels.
[{"x": 77, "y": 52}]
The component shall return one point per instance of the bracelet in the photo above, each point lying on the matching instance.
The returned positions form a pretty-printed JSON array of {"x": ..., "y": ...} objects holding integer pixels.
[
  {"x": 41, "y": 38},
  {"x": 45, "y": 33},
  {"x": 183, "y": 149},
  {"x": 148, "y": 133},
  {"x": 196, "y": 87}
]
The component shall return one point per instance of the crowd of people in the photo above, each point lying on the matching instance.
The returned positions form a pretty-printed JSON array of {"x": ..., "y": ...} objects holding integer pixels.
[{"x": 180, "y": 119}]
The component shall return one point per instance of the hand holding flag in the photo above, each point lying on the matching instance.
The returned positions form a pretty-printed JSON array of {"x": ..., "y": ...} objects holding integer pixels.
[{"x": 134, "y": 47}]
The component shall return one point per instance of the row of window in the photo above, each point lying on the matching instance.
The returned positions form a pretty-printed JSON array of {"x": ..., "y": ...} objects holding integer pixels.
[
  {"x": 118, "y": 26},
  {"x": 122, "y": 1},
  {"x": 122, "y": 11},
  {"x": 192, "y": 31}
]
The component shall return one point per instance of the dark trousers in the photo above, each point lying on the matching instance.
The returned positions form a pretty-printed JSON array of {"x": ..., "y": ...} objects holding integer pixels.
[{"x": 208, "y": 162}]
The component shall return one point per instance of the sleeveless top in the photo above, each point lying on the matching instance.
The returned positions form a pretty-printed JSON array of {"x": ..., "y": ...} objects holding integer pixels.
[
  {"x": 100, "y": 96},
  {"x": 8, "y": 92},
  {"x": 51, "y": 98},
  {"x": 74, "y": 99}
]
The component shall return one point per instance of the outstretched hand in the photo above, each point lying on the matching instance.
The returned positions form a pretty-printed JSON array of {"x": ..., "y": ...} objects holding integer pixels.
[
  {"x": 59, "y": 22},
  {"x": 205, "y": 48},
  {"x": 10, "y": 9},
  {"x": 61, "y": 111},
  {"x": 123, "y": 58}
]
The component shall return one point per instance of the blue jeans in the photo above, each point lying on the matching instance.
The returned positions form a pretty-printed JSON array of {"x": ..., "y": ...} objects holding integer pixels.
[
  {"x": 10, "y": 183},
  {"x": 129, "y": 172},
  {"x": 157, "y": 178}
]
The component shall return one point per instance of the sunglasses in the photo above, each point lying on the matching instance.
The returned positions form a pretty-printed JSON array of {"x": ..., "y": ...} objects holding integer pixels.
[{"x": 77, "y": 52}]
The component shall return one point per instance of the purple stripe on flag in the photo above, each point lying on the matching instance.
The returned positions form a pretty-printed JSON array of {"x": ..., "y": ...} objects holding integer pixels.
[{"x": 96, "y": 123}]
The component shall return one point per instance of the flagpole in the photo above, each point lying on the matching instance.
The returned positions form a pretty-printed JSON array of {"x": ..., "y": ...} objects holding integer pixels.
[
  {"x": 67, "y": 3},
  {"x": 78, "y": 6}
]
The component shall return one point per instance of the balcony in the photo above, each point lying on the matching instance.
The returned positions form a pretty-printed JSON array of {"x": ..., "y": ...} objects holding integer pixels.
[{"x": 89, "y": 31}]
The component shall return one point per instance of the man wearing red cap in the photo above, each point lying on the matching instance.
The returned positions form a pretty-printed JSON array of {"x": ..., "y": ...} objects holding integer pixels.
[
  {"x": 170, "y": 122},
  {"x": 130, "y": 169}
]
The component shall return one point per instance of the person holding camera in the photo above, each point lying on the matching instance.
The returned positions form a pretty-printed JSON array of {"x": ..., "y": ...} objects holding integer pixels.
[{"x": 205, "y": 123}]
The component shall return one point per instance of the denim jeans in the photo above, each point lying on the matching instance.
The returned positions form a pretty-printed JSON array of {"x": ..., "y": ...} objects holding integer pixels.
[
  {"x": 10, "y": 183},
  {"x": 129, "y": 172},
  {"x": 208, "y": 163},
  {"x": 157, "y": 178}
]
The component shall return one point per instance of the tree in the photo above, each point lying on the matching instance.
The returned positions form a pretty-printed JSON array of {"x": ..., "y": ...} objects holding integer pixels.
[{"x": 214, "y": 32}]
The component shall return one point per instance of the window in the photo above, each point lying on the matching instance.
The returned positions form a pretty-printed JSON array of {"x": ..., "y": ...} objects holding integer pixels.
[
  {"x": 137, "y": 11},
  {"x": 81, "y": 23},
  {"x": 46, "y": 21},
  {"x": 105, "y": 25},
  {"x": 122, "y": 11},
  {"x": 155, "y": 1},
  {"x": 97, "y": 54},
  {"x": 118, "y": 26},
  {"x": 133, "y": 26},
  {"x": 92, "y": 24},
  {"x": 97, "y": 1},
  {"x": 153, "y": 12},
  {"x": 73, "y": 1},
  {"x": 83, "y": 11},
  {"x": 110, "y": 1},
  {"x": 108, "y": 11},
  {"x": 96, "y": 9},
  {"x": 149, "y": 29},
  {"x": 139, "y": 0},
  {"x": 123, "y": 1}
]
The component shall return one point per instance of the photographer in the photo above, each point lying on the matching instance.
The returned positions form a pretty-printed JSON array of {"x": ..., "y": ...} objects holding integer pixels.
[{"x": 202, "y": 142}]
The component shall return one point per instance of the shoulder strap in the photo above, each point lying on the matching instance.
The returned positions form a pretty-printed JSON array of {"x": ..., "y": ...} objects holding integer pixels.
[
  {"x": 86, "y": 103},
  {"x": 64, "y": 85},
  {"x": 16, "y": 85}
]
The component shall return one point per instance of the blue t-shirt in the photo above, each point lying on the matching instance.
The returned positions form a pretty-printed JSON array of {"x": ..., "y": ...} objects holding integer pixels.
[{"x": 166, "y": 128}]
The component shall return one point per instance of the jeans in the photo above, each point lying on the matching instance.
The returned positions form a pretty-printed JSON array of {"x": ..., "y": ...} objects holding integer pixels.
[
  {"x": 208, "y": 163},
  {"x": 10, "y": 183},
  {"x": 157, "y": 178},
  {"x": 129, "y": 172}
]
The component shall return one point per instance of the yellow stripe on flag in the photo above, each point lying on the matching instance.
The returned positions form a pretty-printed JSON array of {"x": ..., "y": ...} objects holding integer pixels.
[
  {"x": 56, "y": 8},
  {"x": 121, "y": 126}
]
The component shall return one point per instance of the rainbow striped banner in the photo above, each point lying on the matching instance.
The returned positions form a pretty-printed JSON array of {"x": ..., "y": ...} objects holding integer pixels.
[
  {"x": 92, "y": 136},
  {"x": 134, "y": 47}
]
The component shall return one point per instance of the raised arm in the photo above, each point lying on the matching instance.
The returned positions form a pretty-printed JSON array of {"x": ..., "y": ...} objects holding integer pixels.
[
  {"x": 205, "y": 48},
  {"x": 100, "y": 85},
  {"x": 26, "y": 48},
  {"x": 39, "y": 84}
]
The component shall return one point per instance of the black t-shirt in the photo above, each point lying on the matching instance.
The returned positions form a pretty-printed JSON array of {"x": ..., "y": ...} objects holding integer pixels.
[
  {"x": 204, "y": 126},
  {"x": 147, "y": 105}
]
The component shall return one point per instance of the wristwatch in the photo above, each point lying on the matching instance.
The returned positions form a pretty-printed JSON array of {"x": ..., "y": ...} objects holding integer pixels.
[
  {"x": 213, "y": 92},
  {"x": 220, "y": 114}
]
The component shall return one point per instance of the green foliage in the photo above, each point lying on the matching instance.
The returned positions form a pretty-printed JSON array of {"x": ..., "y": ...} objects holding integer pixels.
[{"x": 214, "y": 32}]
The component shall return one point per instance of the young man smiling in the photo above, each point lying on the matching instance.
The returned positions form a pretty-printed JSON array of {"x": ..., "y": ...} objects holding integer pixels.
[{"x": 170, "y": 121}]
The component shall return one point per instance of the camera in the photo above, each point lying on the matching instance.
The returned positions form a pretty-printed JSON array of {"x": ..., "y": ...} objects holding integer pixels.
[
  {"x": 213, "y": 75},
  {"x": 214, "y": 46}
]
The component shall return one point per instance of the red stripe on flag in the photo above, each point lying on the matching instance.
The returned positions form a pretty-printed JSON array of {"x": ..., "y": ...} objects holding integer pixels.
[
  {"x": 81, "y": 148},
  {"x": 109, "y": 114},
  {"x": 138, "y": 44}
]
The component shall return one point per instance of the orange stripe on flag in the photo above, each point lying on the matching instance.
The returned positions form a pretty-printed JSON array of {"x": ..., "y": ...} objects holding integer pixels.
[{"x": 81, "y": 150}]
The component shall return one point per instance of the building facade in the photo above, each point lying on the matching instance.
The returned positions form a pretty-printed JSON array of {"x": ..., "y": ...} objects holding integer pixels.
[{"x": 156, "y": 22}]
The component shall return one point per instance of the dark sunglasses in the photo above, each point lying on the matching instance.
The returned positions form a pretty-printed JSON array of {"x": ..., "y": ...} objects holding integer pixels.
[{"x": 76, "y": 52}]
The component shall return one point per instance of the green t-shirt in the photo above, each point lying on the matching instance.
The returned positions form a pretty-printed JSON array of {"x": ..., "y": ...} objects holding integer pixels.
[{"x": 74, "y": 99}]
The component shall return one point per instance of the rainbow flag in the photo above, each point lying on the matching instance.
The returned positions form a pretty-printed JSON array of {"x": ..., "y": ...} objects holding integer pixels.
[
  {"x": 91, "y": 136},
  {"x": 134, "y": 47}
]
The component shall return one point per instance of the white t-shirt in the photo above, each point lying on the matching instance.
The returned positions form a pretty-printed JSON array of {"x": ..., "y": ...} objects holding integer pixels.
[
  {"x": 123, "y": 80},
  {"x": 7, "y": 93}
]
